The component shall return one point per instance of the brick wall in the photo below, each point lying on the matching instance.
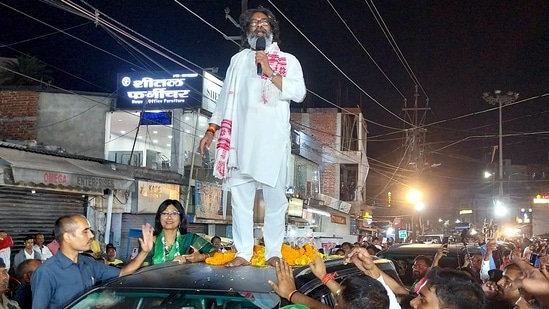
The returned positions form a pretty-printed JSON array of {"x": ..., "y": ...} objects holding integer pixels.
[
  {"x": 321, "y": 124},
  {"x": 18, "y": 113}
]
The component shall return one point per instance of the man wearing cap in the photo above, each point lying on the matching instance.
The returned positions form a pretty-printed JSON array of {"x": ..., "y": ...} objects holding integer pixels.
[
  {"x": 5, "y": 303},
  {"x": 111, "y": 256}
]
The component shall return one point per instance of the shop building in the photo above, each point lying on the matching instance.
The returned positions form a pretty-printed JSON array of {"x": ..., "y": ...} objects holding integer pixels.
[
  {"x": 154, "y": 144},
  {"x": 38, "y": 186}
]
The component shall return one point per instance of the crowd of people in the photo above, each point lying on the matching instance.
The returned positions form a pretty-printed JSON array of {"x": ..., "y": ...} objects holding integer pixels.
[
  {"x": 48, "y": 280},
  {"x": 373, "y": 246},
  {"x": 252, "y": 117},
  {"x": 519, "y": 284},
  {"x": 52, "y": 282}
]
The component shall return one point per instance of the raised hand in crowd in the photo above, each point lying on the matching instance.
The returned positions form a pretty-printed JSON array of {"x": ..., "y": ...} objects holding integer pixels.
[
  {"x": 286, "y": 287},
  {"x": 363, "y": 260},
  {"x": 535, "y": 281},
  {"x": 318, "y": 268},
  {"x": 442, "y": 252}
]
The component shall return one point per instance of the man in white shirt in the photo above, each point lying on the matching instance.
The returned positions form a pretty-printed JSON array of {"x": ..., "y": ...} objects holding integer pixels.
[
  {"x": 253, "y": 119},
  {"x": 39, "y": 246},
  {"x": 26, "y": 253}
]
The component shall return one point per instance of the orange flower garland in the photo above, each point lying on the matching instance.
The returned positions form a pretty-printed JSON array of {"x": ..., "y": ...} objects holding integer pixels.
[
  {"x": 293, "y": 256},
  {"x": 299, "y": 256},
  {"x": 220, "y": 258}
]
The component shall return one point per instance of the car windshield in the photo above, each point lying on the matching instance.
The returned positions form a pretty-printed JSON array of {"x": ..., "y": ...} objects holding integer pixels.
[{"x": 162, "y": 299}]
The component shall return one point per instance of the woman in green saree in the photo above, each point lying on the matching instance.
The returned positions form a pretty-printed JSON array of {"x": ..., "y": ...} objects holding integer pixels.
[{"x": 172, "y": 241}]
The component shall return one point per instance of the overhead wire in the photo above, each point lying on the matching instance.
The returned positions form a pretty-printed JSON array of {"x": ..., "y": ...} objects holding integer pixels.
[
  {"x": 84, "y": 15},
  {"x": 394, "y": 45},
  {"x": 308, "y": 90},
  {"x": 365, "y": 50},
  {"x": 337, "y": 67}
]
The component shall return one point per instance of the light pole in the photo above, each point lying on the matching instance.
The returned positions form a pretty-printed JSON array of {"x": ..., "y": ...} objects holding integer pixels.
[
  {"x": 500, "y": 99},
  {"x": 414, "y": 197}
]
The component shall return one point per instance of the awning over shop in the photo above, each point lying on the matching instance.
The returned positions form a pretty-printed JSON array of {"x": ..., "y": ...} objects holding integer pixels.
[{"x": 54, "y": 172}]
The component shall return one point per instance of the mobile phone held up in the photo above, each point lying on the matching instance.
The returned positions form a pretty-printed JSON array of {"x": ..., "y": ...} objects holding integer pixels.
[{"x": 445, "y": 241}]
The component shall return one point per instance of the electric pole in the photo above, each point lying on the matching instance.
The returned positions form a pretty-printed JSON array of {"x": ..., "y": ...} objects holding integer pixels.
[{"x": 415, "y": 146}]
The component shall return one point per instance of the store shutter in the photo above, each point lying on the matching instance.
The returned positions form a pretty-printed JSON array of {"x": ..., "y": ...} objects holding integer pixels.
[{"x": 25, "y": 213}]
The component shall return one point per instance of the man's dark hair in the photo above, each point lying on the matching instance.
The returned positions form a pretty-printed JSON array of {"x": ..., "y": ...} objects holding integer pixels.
[
  {"x": 428, "y": 261},
  {"x": 455, "y": 289},
  {"x": 28, "y": 237},
  {"x": 245, "y": 25},
  {"x": 215, "y": 237},
  {"x": 373, "y": 247},
  {"x": 65, "y": 224},
  {"x": 347, "y": 244},
  {"x": 182, "y": 216},
  {"x": 23, "y": 268},
  {"x": 361, "y": 291},
  {"x": 513, "y": 266}
]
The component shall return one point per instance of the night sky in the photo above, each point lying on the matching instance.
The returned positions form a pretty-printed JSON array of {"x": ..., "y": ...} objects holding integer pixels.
[{"x": 456, "y": 50}]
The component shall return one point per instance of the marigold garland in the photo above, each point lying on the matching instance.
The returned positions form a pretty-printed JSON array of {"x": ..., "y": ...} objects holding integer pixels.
[
  {"x": 293, "y": 256},
  {"x": 220, "y": 258}
]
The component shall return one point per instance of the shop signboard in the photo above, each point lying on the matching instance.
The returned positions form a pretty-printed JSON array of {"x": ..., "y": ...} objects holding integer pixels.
[
  {"x": 211, "y": 88},
  {"x": 151, "y": 194},
  {"x": 541, "y": 199},
  {"x": 159, "y": 90}
]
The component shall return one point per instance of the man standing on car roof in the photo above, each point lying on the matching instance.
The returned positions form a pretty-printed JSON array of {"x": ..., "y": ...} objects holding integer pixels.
[{"x": 252, "y": 116}]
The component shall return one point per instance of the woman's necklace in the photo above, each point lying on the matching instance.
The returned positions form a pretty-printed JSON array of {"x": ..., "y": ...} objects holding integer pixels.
[{"x": 167, "y": 248}]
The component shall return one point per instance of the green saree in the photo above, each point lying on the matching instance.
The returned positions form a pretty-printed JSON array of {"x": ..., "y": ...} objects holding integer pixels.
[{"x": 161, "y": 253}]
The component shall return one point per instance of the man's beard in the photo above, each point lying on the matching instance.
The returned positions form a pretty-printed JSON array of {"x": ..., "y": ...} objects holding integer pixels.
[{"x": 252, "y": 38}]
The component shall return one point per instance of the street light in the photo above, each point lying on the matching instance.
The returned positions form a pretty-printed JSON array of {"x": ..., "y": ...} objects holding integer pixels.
[
  {"x": 414, "y": 196},
  {"x": 500, "y": 210},
  {"x": 500, "y": 99}
]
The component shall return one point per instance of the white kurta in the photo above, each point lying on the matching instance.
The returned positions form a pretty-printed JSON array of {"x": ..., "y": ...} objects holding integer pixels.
[
  {"x": 261, "y": 130},
  {"x": 260, "y": 141}
]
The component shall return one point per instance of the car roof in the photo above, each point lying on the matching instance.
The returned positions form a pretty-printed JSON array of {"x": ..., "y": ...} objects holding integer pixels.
[
  {"x": 425, "y": 249},
  {"x": 221, "y": 281},
  {"x": 221, "y": 278},
  {"x": 197, "y": 276}
]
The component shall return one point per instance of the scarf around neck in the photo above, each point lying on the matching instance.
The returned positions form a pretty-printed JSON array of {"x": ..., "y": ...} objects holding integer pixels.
[
  {"x": 225, "y": 156},
  {"x": 164, "y": 254}
]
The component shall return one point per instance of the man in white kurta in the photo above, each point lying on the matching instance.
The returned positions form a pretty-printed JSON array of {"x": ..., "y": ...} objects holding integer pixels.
[{"x": 252, "y": 115}]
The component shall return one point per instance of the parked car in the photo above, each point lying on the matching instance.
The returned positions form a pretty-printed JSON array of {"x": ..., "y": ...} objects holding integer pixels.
[
  {"x": 430, "y": 238},
  {"x": 403, "y": 255},
  {"x": 201, "y": 286}
]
